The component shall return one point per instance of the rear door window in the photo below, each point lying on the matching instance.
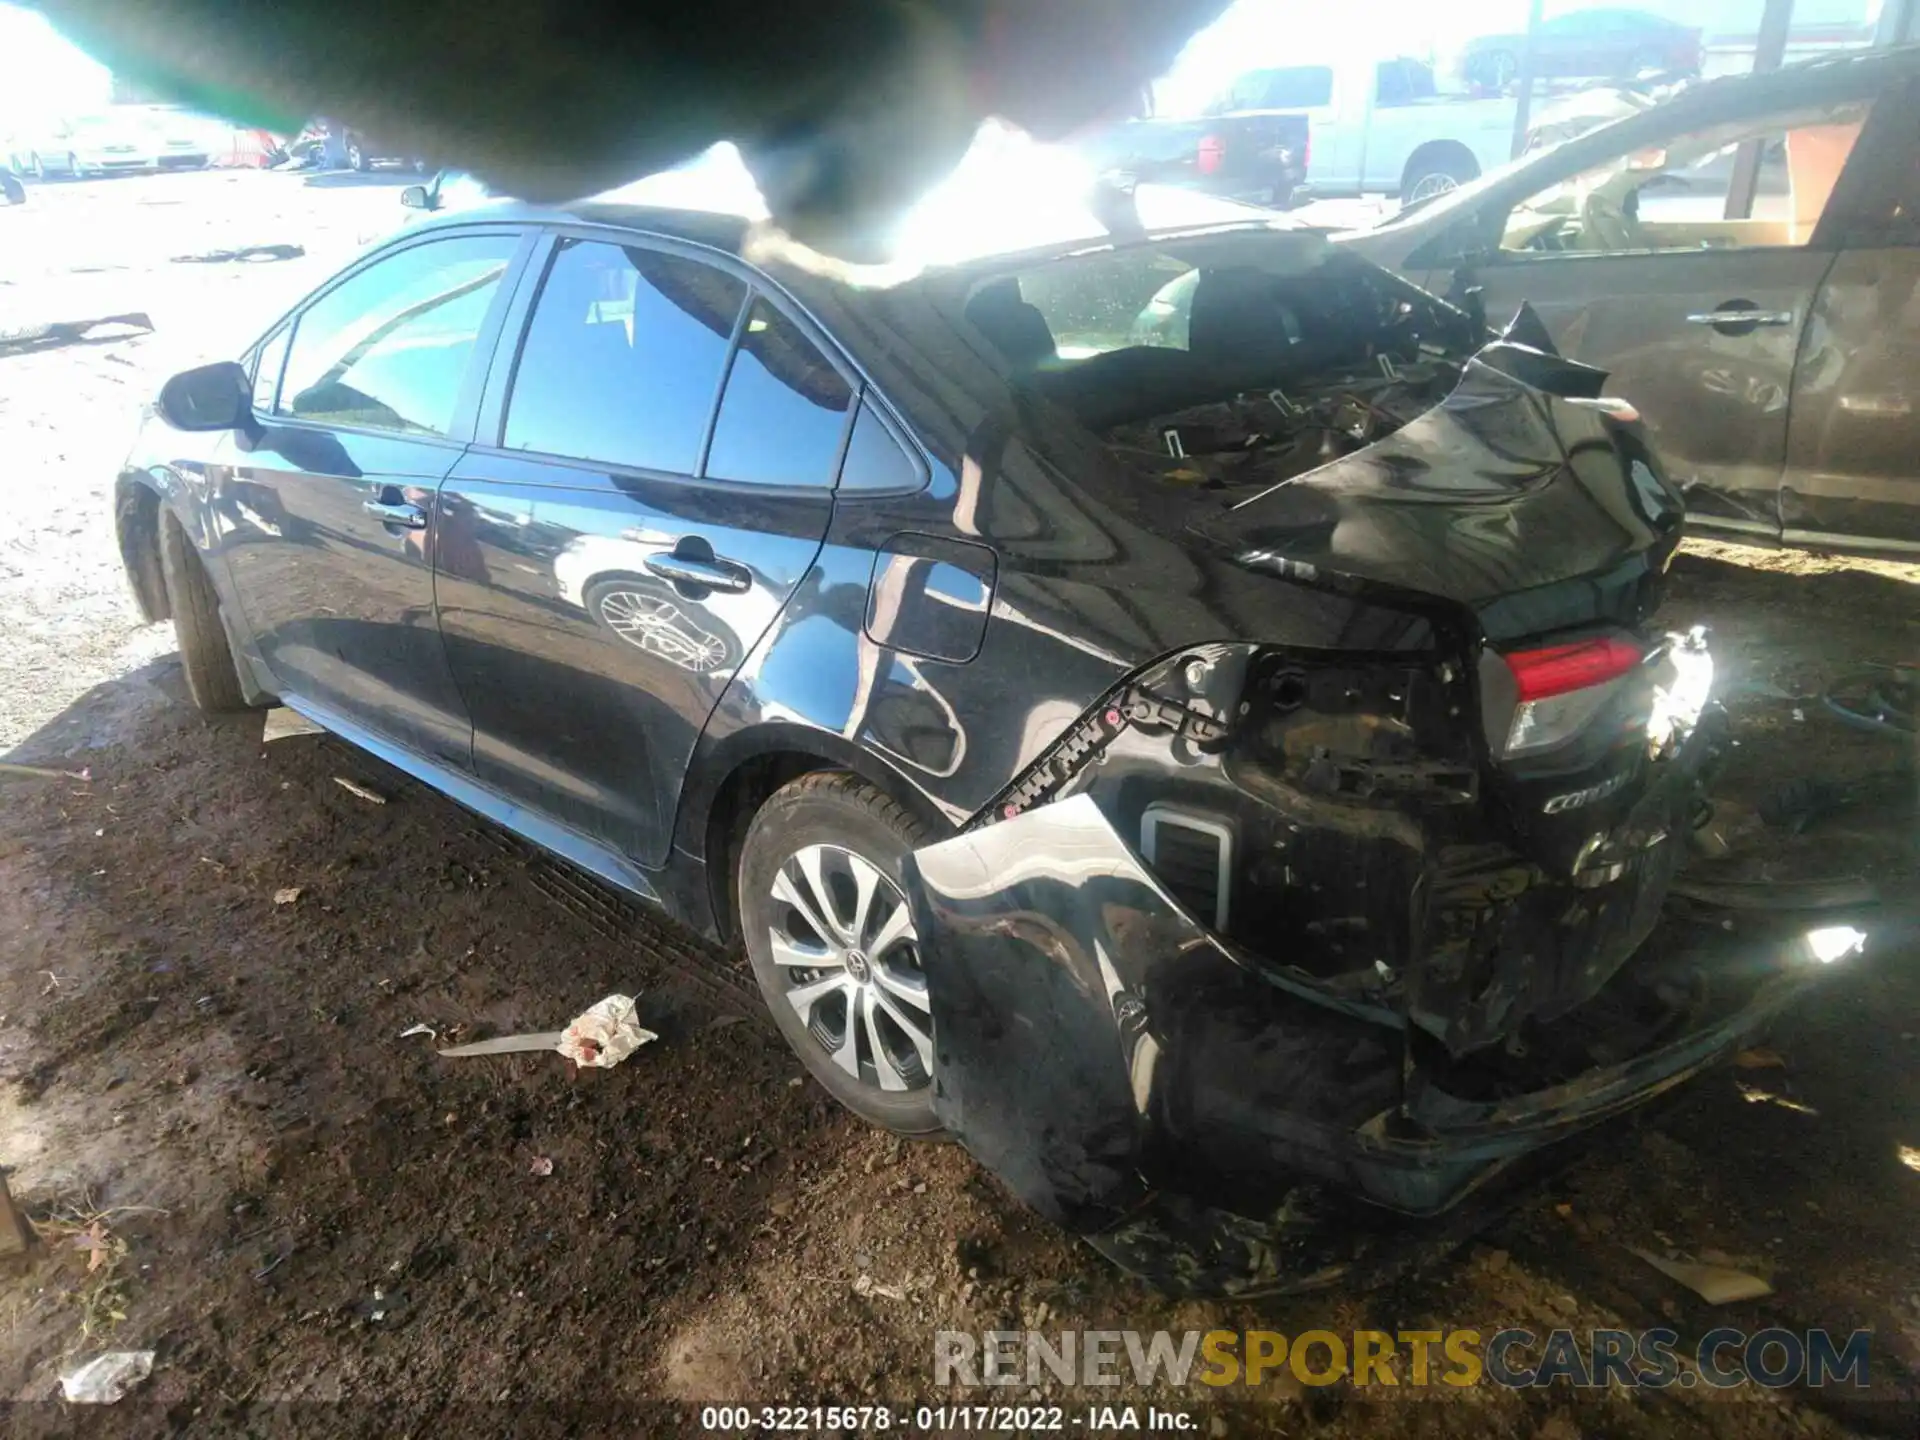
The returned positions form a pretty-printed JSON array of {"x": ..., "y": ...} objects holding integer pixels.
[
  {"x": 623, "y": 357},
  {"x": 785, "y": 410},
  {"x": 388, "y": 348}
]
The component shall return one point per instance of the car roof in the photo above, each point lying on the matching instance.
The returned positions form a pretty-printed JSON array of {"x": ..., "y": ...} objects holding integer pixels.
[{"x": 729, "y": 233}]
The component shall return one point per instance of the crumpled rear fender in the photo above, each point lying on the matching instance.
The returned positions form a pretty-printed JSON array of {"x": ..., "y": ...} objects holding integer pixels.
[
  {"x": 1102, "y": 1051},
  {"x": 1049, "y": 947}
]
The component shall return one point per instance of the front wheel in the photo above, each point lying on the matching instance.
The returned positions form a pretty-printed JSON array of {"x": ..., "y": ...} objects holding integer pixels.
[
  {"x": 213, "y": 680},
  {"x": 822, "y": 904},
  {"x": 357, "y": 157}
]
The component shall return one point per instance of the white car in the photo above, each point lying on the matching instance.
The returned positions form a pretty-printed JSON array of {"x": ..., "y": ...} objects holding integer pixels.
[
  {"x": 87, "y": 145},
  {"x": 178, "y": 139}
]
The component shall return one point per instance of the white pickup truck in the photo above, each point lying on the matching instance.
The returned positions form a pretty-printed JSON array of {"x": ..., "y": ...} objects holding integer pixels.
[{"x": 1350, "y": 127}]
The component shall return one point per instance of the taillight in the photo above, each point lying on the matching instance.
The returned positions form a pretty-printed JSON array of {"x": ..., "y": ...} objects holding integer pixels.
[
  {"x": 1558, "y": 689},
  {"x": 1212, "y": 151}
]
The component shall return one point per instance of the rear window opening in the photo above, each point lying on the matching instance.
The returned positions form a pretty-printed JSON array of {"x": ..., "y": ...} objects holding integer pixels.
[{"x": 1225, "y": 361}]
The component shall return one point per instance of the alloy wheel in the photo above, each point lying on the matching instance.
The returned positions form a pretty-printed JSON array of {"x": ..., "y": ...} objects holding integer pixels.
[
  {"x": 1427, "y": 186},
  {"x": 843, "y": 937}
]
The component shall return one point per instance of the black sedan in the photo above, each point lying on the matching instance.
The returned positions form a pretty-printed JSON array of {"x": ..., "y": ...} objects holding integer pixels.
[{"x": 1186, "y": 770}]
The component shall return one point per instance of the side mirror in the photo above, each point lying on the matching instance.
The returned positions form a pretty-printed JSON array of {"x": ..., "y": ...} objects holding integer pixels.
[
  {"x": 212, "y": 397},
  {"x": 415, "y": 197}
]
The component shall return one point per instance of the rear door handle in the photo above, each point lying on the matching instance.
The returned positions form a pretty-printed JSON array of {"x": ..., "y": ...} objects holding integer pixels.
[
  {"x": 708, "y": 572},
  {"x": 1741, "y": 317},
  {"x": 391, "y": 512}
]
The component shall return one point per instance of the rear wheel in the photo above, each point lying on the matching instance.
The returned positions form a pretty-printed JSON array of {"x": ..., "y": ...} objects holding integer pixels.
[
  {"x": 357, "y": 156},
  {"x": 822, "y": 904},
  {"x": 1436, "y": 169},
  {"x": 212, "y": 678}
]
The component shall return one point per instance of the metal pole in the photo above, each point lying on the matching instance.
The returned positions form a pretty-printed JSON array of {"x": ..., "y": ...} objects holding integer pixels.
[
  {"x": 1770, "y": 47},
  {"x": 1896, "y": 25},
  {"x": 1523, "y": 103}
]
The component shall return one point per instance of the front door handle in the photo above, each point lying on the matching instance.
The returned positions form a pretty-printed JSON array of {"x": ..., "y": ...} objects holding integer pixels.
[
  {"x": 684, "y": 566},
  {"x": 1741, "y": 317},
  {"x": 390, "y": 512}
]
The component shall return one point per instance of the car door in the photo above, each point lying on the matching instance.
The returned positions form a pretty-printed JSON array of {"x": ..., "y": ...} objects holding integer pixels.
[
  {"x": 655, "y": 482},
  {"x": 363, "y": 403},
  {"x": 1636, "y": 266},
  {"x": 1851, "y": 479}
]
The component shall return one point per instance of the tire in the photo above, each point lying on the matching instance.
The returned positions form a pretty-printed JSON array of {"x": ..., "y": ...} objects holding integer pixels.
[
  {"x": 1436, "y": 171},
  {"x": 212, "y": 678},
  {"x": 10, "y": 187},
  {"x": 828, "y": 825},
  {"x": 357, "y": 158},
  {"x": 73, "y": 167},
  {"x": 36, "y": 167}
]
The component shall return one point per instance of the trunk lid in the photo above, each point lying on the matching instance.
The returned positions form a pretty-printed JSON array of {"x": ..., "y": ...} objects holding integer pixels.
[{"x": 1520, "y": 500}]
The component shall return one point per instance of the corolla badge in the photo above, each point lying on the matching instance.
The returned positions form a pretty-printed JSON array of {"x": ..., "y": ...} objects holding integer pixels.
[{"x": 1575, "y": 799}]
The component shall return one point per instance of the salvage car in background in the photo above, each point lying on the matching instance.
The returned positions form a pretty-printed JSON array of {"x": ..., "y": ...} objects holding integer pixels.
[
  {"x": 1185, "y": 773},
  {"x": 1603, "y": 44},
  {"x": 1769, "y": 340},
  {"x": 86, "y": 145},
  {"x": 1283, "y": 134}
]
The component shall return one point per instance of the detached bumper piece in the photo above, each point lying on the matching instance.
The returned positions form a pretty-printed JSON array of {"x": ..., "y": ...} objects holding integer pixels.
[{"x": 1201, "y": 1119}]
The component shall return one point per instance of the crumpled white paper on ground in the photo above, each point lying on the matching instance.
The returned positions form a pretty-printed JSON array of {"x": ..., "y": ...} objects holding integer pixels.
[{"x": 604, "y": 1034}]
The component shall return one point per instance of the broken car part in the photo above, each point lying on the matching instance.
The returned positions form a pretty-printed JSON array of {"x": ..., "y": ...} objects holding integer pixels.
[{"x": 1129, "y": 1072}]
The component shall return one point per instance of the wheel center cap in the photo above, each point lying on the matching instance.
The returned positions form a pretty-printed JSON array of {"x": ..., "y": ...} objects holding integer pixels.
[{"x": 859, "y": 967}]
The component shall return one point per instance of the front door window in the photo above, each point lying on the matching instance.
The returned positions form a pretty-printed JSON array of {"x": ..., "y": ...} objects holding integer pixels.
[{"x": 1685, "y": 195}]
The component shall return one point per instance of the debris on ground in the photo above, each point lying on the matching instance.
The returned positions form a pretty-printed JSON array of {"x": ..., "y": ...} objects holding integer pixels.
[
  {"x": 598, "y": 1038},
  {"x": 287, "y": 894},
  {"x": 41, "y": 772},
  {"x": 1760, "y": 1058},
  {"x": 1882, "y": 699},
  {"x": 282, "y": 724},
  {"x": 244, "y": 252},
  {"x": 506, "y": 1045},
  {"x": 105, "y": 1378},
  {"x": 16, "y": 1231},
  {"x": 1755, "y": 1095},
  {"x": 421, "y": 1029},
  {"x": 55, "y": 333},
  {"x": 353, "y": 787},
  {"x": 604, "y": 1034},
  {"x": 866, "y": 1285},
  {"x": 541, "y": 1165},
  {"x": 1715, "y": 1284}
]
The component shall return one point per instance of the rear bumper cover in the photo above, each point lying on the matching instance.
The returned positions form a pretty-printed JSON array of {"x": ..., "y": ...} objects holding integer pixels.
[{"x": 1124, "y": 1071}]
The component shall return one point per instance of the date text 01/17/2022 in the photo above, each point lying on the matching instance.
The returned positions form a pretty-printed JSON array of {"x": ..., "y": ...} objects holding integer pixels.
[{"x": 986, "y": 1419}]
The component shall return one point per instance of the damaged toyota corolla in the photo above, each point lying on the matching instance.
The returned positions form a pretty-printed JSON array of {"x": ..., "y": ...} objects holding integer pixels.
[{"x": 1201, "y": 759}]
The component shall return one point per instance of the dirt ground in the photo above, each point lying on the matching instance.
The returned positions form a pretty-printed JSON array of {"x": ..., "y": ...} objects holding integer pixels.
[{"x": 317, "y": 1224}]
